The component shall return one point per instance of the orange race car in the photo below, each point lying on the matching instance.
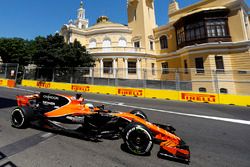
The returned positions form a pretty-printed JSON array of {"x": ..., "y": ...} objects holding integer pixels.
[{"x": 70, "y": 114}]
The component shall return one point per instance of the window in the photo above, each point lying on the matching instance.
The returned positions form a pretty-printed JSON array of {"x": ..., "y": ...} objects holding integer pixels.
[
  {"x": 242, "y": 72},
  {"x": 223, "y": 90},
  {"x": 219, "y": 63},
  {"x": 153, "y": 68},
  {"x": 164, "y": 67},
  {"x": 106, "y": 44},
  {"x": 246, "y": 21},
  {"x": 137, "y": 44},
  {"x": 195, "y": 31},
  {"x": 186, "y": 66},
  {"x": 202, "y": 89},
  {"x": 122, "y": 42},
  {"x": 164, "y": 42},
  {"x": 180, "y": 35},
  {"x": 92, "y": 43},
  {"x": 151, "y": 44},
  {"x": 216, "y": 28},
  {"x": 199, "y": 64},
  {"x": 107, "y": 67},
  {"x": 132, "y": 67},
  {"x": 203, "y": 27}
]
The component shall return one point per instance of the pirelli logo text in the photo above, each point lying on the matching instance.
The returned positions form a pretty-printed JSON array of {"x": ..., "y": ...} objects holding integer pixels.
[
  {"x": 80, "y": 88},
  {"x": 42, "y": 84},
  {"x": 130, "y": 92},
  {"x": 198, "y": 97},
  {"x": 1, "y": 82}
]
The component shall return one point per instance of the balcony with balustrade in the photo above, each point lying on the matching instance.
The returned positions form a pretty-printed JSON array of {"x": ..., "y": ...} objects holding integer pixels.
[{"x": 116, "y": 50}]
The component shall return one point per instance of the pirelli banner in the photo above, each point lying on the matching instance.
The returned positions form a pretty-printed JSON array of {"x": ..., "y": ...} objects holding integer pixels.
[
  {"x": 86, "y": 88},
  {"x": 131, "y": 92},
  {"x": 7, "y": 83},
  {"x": 141, "y": 92},
  {"x": 199, "y": 97}
]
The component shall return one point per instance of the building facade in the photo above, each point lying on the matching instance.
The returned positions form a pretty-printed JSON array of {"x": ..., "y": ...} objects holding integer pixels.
[{"x": 207, "y": 38}]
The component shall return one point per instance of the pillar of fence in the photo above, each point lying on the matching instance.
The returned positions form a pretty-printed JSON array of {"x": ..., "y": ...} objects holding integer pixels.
[
  {"x": 116, "y": 76},
  {"x": 53, "y": 75},
  {"x": 91, "y": 74},
  {"x": 215, "y": 80},
  {"x": 16, "y": 72},
  {"x": 71, "y": 76},
  {"x": 177, "y": 79},
  {"x": 144, "y": 78},
  {"x": 5, "y": 70}
]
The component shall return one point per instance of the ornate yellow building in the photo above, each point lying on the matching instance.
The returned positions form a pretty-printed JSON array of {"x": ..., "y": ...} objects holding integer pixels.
[{"x": 209, "y": 40}]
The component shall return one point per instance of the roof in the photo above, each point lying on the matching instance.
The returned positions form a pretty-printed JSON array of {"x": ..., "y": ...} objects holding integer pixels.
[
  {"x": 107, "y": 24},
  {"x": 203, "y": 9}
]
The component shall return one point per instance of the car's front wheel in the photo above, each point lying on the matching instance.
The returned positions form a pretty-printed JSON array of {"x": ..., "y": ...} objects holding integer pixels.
[{"x": 138, "y": 139}]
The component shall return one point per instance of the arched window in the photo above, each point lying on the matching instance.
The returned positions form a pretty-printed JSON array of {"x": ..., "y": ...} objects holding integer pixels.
[
  {"x": 106, "y": 43},
  {"x": 122, "y": 42},
  {"x": 92, "y": 43},
  {"x": 202, "y": 89},
  {"x": 223, "y": 90},
  {"x": 164, "y": 42}
]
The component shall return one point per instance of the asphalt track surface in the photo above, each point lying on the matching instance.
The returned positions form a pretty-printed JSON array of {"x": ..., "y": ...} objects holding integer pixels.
[{"x": 218, "y": 136}]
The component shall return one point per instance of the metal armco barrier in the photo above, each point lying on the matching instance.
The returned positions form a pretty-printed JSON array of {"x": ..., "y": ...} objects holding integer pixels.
[{"x": 145, "y": 93}]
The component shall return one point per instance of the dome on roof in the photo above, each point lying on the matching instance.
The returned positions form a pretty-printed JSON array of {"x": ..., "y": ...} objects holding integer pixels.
[{"x": 103, "y": 22}]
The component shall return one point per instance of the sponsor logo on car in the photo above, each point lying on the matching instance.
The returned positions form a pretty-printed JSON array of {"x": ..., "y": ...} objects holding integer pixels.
[
  {"x": 49, "y": 103},
  {"x": 80, "y": 88},
  {"x": 42, "y": 84},
  {"x": 198, "y": 97},
  {"x": 130, "y": 92},
  {"x": 49, "y": 97}
]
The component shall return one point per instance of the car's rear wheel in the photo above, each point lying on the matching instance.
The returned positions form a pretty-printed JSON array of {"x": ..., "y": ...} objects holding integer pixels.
[
  {"x": 20, "y": 117},
  {"x": 138, "y": 139},
  {"x": 140, "y": 114}
]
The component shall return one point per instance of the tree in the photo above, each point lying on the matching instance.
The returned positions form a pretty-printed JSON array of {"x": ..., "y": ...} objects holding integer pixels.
[
  {"x": 15, "y": 50},
  {"x": 45, "y": 52},
  {"x": 54, "y": 52}
]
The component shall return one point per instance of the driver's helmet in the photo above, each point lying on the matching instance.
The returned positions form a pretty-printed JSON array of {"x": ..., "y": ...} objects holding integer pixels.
[{"x": 89, "y": 106}]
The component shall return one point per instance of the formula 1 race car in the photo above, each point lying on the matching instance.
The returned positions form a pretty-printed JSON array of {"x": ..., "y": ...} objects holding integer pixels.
[{"x": 70, "y": 114}]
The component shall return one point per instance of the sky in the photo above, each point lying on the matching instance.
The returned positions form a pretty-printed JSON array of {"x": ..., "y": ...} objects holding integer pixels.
[{"x": 30, "y": 18}]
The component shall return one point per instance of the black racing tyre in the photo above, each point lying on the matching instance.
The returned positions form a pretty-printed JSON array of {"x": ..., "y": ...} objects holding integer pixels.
[
  {"x": 140, "y": 114},
  {"x": 138, "y": 139},
  {"x": 20, "y": 117}
]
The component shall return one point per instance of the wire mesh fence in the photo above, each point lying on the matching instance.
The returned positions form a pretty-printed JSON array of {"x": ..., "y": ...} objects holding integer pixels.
[
  {"x": 8, "y": 71},
  {"x": 198, "y": 80}
]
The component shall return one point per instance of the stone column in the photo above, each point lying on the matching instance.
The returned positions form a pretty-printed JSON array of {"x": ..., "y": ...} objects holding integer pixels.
[
  {"x": 101, "y": 67},
  {"x": 138, "y": 68},
  {"x": 126, "y": 67},
  {"x": 114, "y": 67},
  {"x": 91, "y": 74}
]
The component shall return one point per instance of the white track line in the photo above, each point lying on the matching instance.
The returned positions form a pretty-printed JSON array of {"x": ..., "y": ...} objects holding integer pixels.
[{"x": 238, "y": 121}]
